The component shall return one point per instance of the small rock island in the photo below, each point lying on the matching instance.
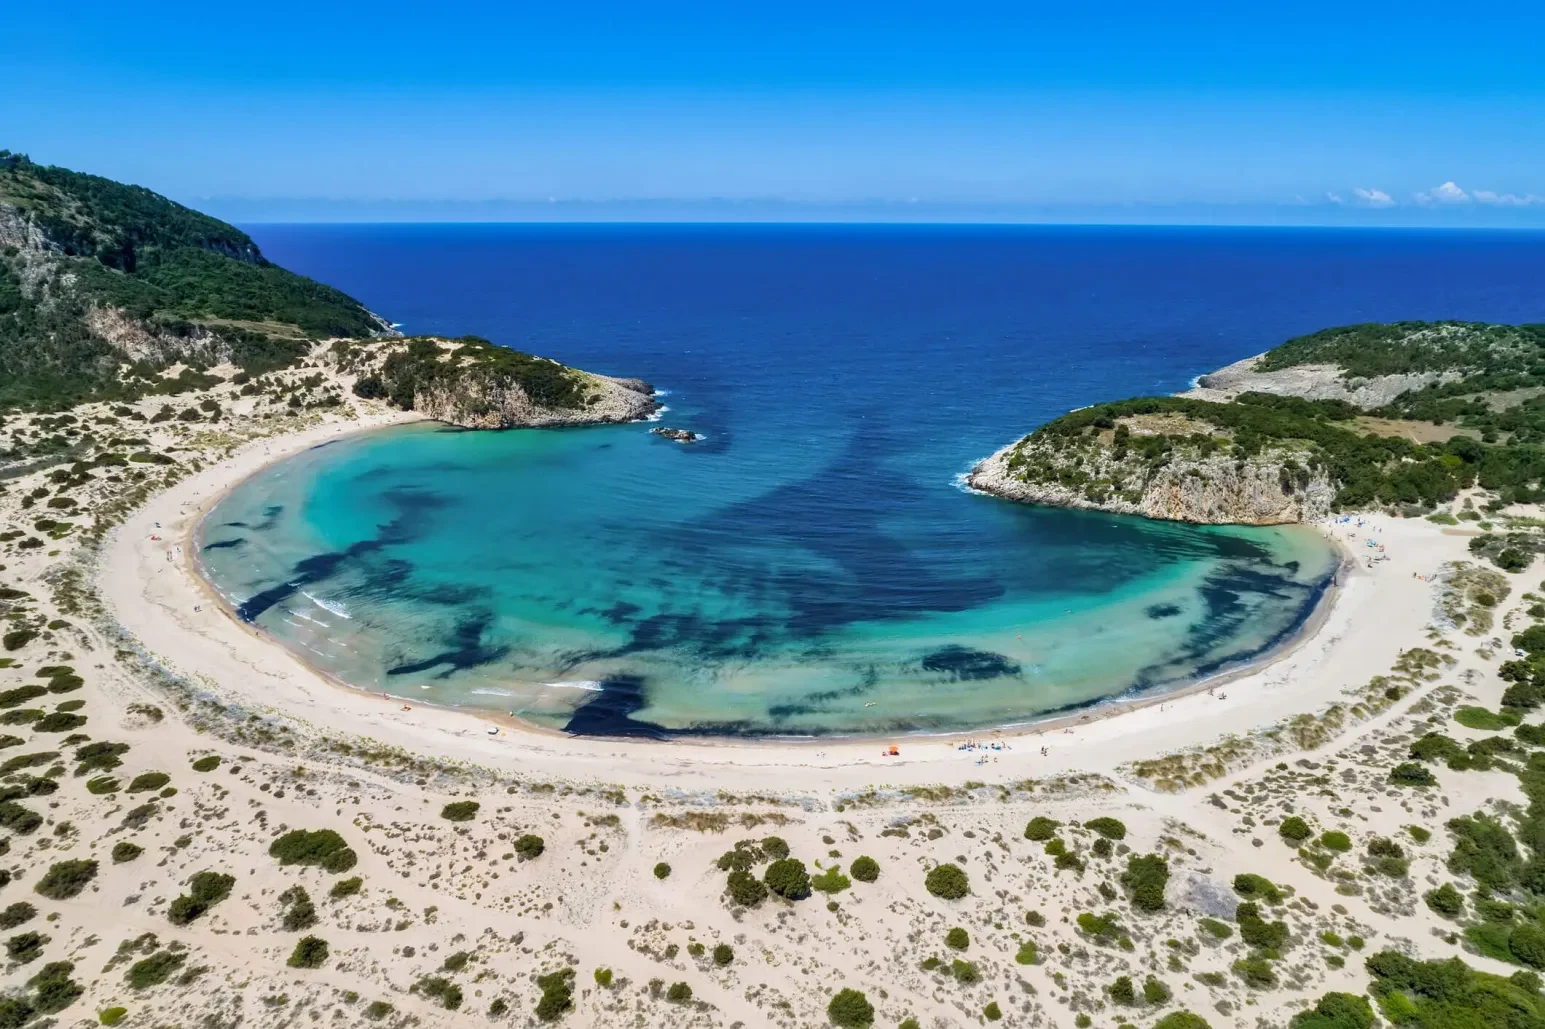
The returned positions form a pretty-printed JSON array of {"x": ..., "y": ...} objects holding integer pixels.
[{"x": 678, "y": 435}]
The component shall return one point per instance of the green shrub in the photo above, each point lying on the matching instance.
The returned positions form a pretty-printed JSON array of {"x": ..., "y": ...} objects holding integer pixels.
[
  {"x": 957, "y": 939},
  {"x": 298, "y": 910},
  {"x": 1122, "y": 991},
  {"x": 112, "y": 1016},
  {"x": 992, "y": 1012},
  {"x": 205, "y": 889},
  {"x": 1294, "y": 829},
  {"x": 18, "y": 818},
  {"x": 529, "y": 846},
  {"x": 1110, "y": 828},
  {"x": 24, "y": 948},
  {"x": 775, "y": 847},
  {"x": 678, "y": 993},
  {"x": 1027, "y": 954},
  {"x": 965, "y": 971},
  {"x": 460, "y": 811},
  {"x": 1481, "y": 719},
  {"x": 59, "y": 721},
  {"x": 1527, "y": 944},
  {"x": 850, "y": 1009},
  {"x": 16, "y": 914},
  {"x": 1146, "y": 878},
  {"x": 1336, "y": 1011},
  {"x": 788, "y": 879},
  {"x": 18, "y": 638},
  {"x": 66, "y": 879},
  {"x": 831, "y": 881},
  {"x": 723, "y": 954},
  {"x": 439, "y": 988},
  {"x": 865, "y": 869},
  {"x": 1409, "y": 773},
  {"x": 346, "y": 887},
  {"x": 1040, "y": 828},
  {"x": 1256, "y": 931},
  {"x": 123, "y": 851},
  {"x": 155, "y": 969},
  {"x": 309, "y": 952},
  {"x": 556, "y": 994},
  {"x": 947, "y": 881},
  {"x": 603, "y": 977},
  {"x": 1336, "y": 840},
  {"x": 207, "y": 764},
  {"x": 1256, "y": 972},
  {"x": 662, "y": 870},
  {"x": 320, "y": 847},
  {"x": 1257, "y": 887},
  {"x": 1155, "y": 992},
  {"x": 746, "y": 889},
  {"x": 1215, "y": 928},
  {"x": 1182, "y": 1020},
  {"x": 147, "y": 781}
]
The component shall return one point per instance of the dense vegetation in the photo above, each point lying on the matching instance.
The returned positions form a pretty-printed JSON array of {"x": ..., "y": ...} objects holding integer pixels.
[
  {"x": 180, "y": 275},
  {"x": 1368, "y": 469},
  {"x": 423, "y": 365}
]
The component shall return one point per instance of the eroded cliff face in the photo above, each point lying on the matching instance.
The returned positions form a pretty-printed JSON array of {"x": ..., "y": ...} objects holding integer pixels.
[
  {"x": 1275, "y": 487},
  {"x": 479, "y": 400}
]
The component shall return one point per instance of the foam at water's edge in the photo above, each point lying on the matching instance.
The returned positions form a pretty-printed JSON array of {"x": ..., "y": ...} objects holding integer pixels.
[{"x": 331, "y": 608}]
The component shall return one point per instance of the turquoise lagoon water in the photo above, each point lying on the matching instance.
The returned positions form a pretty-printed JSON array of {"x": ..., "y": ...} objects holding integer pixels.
[
  {"x": 606, "y": 580},
  {"x": 810, "y": 566}
]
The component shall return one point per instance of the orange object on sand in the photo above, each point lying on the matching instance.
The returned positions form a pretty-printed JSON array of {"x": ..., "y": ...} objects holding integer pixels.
[{"x": 895, "y": 751}]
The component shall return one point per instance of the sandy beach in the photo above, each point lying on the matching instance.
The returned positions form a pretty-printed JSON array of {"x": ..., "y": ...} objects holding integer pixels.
[{"x": 628, "y": 877}]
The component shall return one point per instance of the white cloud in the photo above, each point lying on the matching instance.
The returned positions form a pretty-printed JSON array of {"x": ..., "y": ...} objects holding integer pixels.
[
  {"x": 1334, "y": 198},
  {"x": 1373, "y": 198},
  {"x": 1486, "y": 196},
  {"x": 1448, "y": 193}
]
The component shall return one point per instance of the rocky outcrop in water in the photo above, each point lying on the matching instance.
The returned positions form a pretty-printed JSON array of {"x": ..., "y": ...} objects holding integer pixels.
[
  {"x": 678, "y": 435},
  {"x": 481, "y": 401}
]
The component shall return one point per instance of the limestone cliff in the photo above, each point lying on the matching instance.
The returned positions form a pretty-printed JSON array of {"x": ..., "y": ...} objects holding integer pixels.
[
  {"x": 483, "y": 401},
  {"x": 1275, "y": 487}
]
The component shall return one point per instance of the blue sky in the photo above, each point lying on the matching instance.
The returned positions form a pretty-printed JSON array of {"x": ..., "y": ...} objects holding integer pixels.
[{"x": 1312, "y": 113}]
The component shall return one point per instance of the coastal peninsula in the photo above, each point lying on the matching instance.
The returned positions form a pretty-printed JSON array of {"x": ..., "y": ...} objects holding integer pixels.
[
  {"x": 196, "y": 829},
  {"x": 1397, "y": 417}
]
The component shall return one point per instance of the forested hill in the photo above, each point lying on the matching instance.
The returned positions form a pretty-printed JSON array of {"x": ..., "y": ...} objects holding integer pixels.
[
  {"x": 102, "y": 285},
  {"x": 1400, "y": 416}
]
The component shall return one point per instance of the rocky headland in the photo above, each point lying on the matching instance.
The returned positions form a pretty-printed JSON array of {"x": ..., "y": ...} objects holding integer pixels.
[{"x": 1395, "y": 417}]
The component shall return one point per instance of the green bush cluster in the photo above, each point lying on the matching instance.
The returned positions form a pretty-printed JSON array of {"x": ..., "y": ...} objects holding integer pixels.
[
  {"x": 947, "y": 881},
  {"x": 558, "y": 993},
  {"x": 460, "y": 811},
  {"x": 788, "y": 878},
  {"x": 850, "y": 1009},
  {"x": 865, "y": 869},
  {"x": 309, "y": 952},
  {"x": 205, "y": 889},
  {"x": 324, "y": 848},
  {"x": 66, "y": 879},
  {"x": 1145, "y": 879}
]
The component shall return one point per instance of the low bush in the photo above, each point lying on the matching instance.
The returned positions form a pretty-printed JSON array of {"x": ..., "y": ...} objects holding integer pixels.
[
  {"x": 297, "y": 910},
  {"x": 123, "y": 851},
  {"x": 558, "y": 993},
  {"x": 865, "y": 869},
  {"x": 678, "y": 993},
  {"x": 66, "y": 879},
  {"x": 957, "y": 939},
  {"x": 24, "y": 948},
  {"x": 1155, "y": 992},
  {"x": 1409, "y": 773},
  {"x": 947, "y": 881},
  {"x": 745, "y": 889},
  {"x": 309, "y": 952},
  {"x": 440, "y": 989},
  {"x": 529, "y": 846},
  {"x": 1294, "y": 829},
  {"x": 155, "y": 969},
  {"x": 16, "y": 914},
  {"x": 788, "y": 879},
  {"x": 460, "y": 811},
  {"x": 146, "y": 781},
  {"x": 831, "y": 881},
  {"x": 1122, "y": 991},
  {"x": 662, "y": 871},
  {"x": 1110, "y": 828},
  {"x": 207, "y": 764},
  {"x": 205, "y": 889},
  {"x": 850, "y": 1009},
  {"x": 321, "y": 847},
  {"x": 1040, "y": 828},
  {"x": 346, "y": 887},
  {"x": 1146, "y": 878},
  {"x": 59, "y": 721},
  {"x": 723, "y": 955},
  {"x": 1257, "y": 887}
]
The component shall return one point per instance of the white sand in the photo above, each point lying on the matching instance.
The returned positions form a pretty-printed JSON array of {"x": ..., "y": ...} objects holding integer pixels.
[{"x": 433, "y": 888}]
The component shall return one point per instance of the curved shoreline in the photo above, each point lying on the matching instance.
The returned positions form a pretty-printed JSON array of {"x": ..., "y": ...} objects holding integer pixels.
[
  {"x": 1129, "y": 698},
  {"x": 1080, "y": 713}
]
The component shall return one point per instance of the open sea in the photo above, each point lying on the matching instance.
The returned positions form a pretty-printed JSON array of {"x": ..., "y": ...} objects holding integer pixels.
[{"x": 812, "y": 566}]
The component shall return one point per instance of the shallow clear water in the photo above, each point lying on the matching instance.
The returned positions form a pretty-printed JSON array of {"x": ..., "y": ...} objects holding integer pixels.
[{"x": 811, "y": 565}]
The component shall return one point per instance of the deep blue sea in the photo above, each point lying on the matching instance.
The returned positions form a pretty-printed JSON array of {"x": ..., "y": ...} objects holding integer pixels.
[{"x": 811, "y": 566}]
